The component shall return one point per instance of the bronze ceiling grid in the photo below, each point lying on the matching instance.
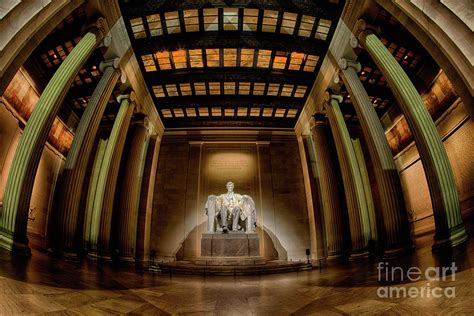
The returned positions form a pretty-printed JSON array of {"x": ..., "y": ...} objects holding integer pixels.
[{"x": 153, "y": 36}]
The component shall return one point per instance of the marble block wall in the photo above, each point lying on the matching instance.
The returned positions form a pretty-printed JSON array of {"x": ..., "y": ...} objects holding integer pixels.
[{"x": 190, "y": 169}]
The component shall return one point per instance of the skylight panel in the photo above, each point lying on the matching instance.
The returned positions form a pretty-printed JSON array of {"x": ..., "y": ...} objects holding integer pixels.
[
  {"x": 137, "y": 28},
  {"x": 216, "y": 111},
  {"x": 229, "y": 87},
  {"x": 191, "y": 20},
  {"x": 244, "y": 88},
  {"x": 307, "y": 23},
  {"x": 195, "y": 58},
  {"x": 270, "y": 18},
  {"x": 172, "y": 90},
  {"x": 288, "y": 23},
  {"x": 178, "y": 112},
  {"x": 172, "y": 22},
  {"x": 179, "y": 59},
  {"x": 230, "y": 57},
  {"x": 154, "y": 24},
  {"x": 280, "y": 60},
  {"x": 166, "y": 113},
  {"x": 190, "y": 112},
  {"x": 246, "y": 57},
  {"x": 273, "y": 89},
  {"x": 185, "y": 89},
  {"x": 229, "y": 112},
  {"x": 242, "y": 111},
  {"x": 164, "y": 60},
  {"x": 212, "y": 57},
  {"x": 292, "y": 113},
  {"x": 267, "y": 112},
  {"x": 211, "y": 19},
  {"x": 254, "y": 112},
  {"x": 250, "y": 19},
  {"x": 148, "y": 63},
  {"x": 158, "y": 91},
  {"x": 295, "y": 61},
  {"x": 200, "y": 88},
  {"x": 311, "y": 62},
  {"x": 263, "y": 60},
  {"x": 214, "y": 88},
  {"x": 203, "y": 111},
  {"x": 323, "y": 29},
  {"x": 258, "y": 88},
  {"x": 287, "y": 90},
  {"x": 300, "y": 91},
  {"x": 280, "y": 112},
  {"x": 231, "y": 19}
]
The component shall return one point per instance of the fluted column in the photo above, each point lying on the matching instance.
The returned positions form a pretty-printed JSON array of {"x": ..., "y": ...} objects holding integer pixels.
[
  {"x": 69, "y": 193},
  {"x": 450, "y": 230},
  {"x": 330, "y": 197},
  {"x": 14, "y": 218},
  {"x": 364, "y": 174},
  {"x": 130, "y": 192},
  {"x": 353, "y": 185},
  {"x": 103, "y": 193},
  {"x": 396, "y": 235}
]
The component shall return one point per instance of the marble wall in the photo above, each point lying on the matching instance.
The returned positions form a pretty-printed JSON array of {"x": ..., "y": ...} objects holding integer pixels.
[
  {"x": 190, "y": 170},
  {"x": 456, "y": 129},
  {"x": 50, "y": 166}
]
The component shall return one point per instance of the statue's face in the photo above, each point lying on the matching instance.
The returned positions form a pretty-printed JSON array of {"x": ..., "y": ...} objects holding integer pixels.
[{"x": 230, "y": 187}]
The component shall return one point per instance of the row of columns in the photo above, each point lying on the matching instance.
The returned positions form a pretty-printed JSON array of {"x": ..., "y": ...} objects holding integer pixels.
[
  {"x": 392, "y": 232},
  {"x": 74, "y": 227}
]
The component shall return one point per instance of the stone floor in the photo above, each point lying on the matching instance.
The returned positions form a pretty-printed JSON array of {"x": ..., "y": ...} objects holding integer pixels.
[{"x": 45, "y": 285}]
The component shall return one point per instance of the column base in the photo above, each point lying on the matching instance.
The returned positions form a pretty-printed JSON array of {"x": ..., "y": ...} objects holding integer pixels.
[
  {"x": 16, "y": 247},
  {"x": 392, "y": 253},
  {"x": 70, "y": 256},
  {"x": 359, "y": 254},
  {"x": 99, "y": 257},
  {"x": 127, "y": 259},
  {"x": 336, "y": 256},
  {"x": 457, "y": 236}
]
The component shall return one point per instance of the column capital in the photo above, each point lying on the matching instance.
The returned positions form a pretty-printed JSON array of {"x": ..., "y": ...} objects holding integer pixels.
[
  {"x": 109, "y": 63},
  {"x": 346, "y": 63},
  {"x": 101, "y": 29},
  {"x": 130, "y": 96},
  {"x": 328, "y": 96},
  {"x": 361, "y": 30},
  {"x": 318, "y": 119}
]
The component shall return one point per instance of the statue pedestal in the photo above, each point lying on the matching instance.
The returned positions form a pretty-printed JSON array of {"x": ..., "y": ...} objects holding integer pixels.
[{"x": 233, "y": 248}]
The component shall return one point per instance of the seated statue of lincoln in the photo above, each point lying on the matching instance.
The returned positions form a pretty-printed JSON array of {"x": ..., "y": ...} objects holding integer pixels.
[{"x": 229, "y": 210}]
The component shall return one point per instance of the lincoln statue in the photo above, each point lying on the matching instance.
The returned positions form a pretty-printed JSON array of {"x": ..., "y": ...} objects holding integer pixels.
[{"x": 230, "y": 212}]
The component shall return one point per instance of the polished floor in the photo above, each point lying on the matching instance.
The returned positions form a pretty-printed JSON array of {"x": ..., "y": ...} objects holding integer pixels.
[{"x": 42, "y": 285}]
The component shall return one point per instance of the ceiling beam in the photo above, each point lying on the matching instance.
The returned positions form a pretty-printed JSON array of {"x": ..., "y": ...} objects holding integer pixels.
[
  {"x": 323, "y": 9},
  {"x": 229, "y": 101},
  {"x": 230, "y": 75},
  {"x": 227, "y": 122},
  {"x": 223, "y": 39}
]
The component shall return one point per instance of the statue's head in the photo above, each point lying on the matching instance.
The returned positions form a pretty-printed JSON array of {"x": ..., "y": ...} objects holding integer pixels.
[{"x": 230, "y": 186}]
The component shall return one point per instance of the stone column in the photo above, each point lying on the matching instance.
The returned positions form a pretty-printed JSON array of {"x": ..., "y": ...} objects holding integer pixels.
[
  {"x": 396, "y": 234},
  {"x": 131, "y": 189},
  {"x": 14, "y": 218},
  {"x": 333, "y": 212},
  {"x": 353, "y": 185},
  {"x": 103, "y": 192},
  {"x": 450, "y": 230},
  {"x": 146, "y": 205},
  {"x": 364, "y": 174},
  {"x": 315, "y": 251},
  {"x": 69, "y": 194}
]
